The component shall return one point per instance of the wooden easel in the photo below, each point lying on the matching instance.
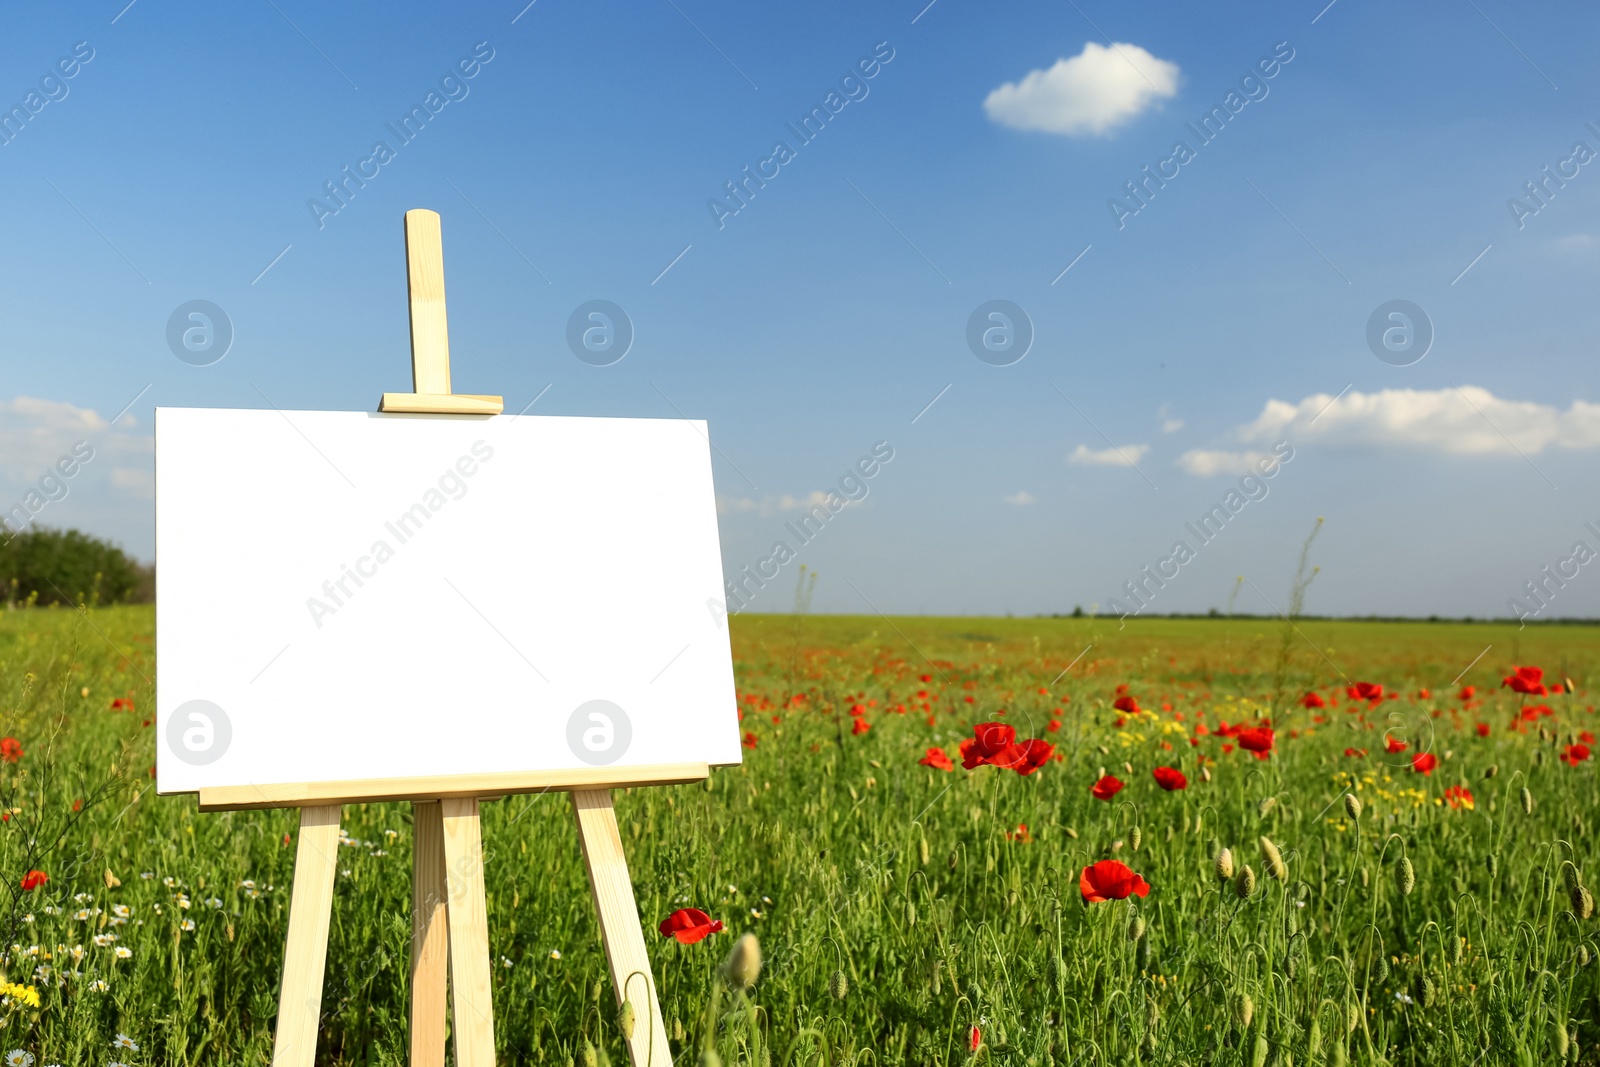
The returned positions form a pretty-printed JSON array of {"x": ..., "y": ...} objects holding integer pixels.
[{"x": 449, "y": 916}]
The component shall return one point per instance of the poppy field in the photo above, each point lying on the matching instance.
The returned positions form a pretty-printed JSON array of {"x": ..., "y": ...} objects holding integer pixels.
[{"x": 1040, "y": 842}]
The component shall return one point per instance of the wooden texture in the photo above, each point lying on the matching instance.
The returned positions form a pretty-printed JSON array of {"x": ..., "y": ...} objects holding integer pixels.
[
  {"x": 439, "y": 787},
  {"x": 305, "y": 952},
  {"x": 430, "y": 937},
  {"x": 619, "y": 925},
  {"x": 430, "y": 332},
  {"x": 472, "y": 1007},
  {"x": 441, "y": 404}
]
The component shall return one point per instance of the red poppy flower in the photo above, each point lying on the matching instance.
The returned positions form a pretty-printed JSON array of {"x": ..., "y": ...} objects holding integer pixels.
[
  {"x": 1365, "y": 691},
  {"x": 1586, "y": 737},
  {"x": 1312, "y": 700},
  {"x": 10, "y": 749},
  {"x": 1528, "y": 680},
  {"x": 991, "y": 743},
  {"x": 1054, "y": 726},
  {"x": 861, "y": 727},
  {"x": 1106, "y": 788},
  {"x": 1483, "y": 729},
  {"x": 1467, "y": 692},
  {"x": 1392, "y": 746},
  {"x": 1035, "y": 754},
  {"x": 1575, "y": 754},
  {"x": 936, "y": 759},
  {"x": 689, "y": 925},
  {"x": 750, "y": 739},
  {"x": 1258, "y": 740},
  {"x": 1127, "y": 704},
  {"x": 1110, "y": 880},
  {"x": 1170, "y": 778},
  {"x": 1020, "y": 834},
  {"x": 1459, "y": 796},
  {"x": 974, "y": 1039},
  {"x": 1357, "y": 753},
  {"x": 122, "y": 704},
  {"x": 33, "y": 880},
  {"x": 1424, "y": 762}
]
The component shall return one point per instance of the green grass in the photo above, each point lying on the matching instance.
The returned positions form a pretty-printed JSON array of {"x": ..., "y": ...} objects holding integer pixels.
[{"x": 845, "y": 857}]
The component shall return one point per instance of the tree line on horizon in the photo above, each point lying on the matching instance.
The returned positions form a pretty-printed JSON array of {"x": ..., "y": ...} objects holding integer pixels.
[{"x": 47, "y": 566}]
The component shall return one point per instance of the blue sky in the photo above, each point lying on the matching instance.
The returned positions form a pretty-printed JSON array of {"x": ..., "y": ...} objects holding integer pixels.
[{"x": 833, "y": 307}]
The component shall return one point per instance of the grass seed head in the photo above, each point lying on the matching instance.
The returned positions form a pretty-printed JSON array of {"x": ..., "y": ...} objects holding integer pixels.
[
  {"x": 743, "y": 965},
  {"x": 1225, "y": 864},
  {"x": 1352, "y": 806},
  {"x": 1405, "y": 876},
  {"x": 1245, "y": 882},
  {"x": 1273, "y": 859}
]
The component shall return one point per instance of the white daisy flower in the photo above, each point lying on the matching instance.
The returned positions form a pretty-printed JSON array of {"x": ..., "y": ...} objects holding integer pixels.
[
  {"x": 124, "y": 953},
  {"x": 124, "y": 1041},
  {"x": 186, "y": 925},
  {"x": 18, "y": 1058}
]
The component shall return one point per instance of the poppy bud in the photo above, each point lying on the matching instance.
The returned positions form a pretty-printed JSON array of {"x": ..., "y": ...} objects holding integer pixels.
[
  {"x": 1582, "y": 902},
  {"x": 1558, "y": 1038},
  {"x": 1352, "y": 806},
  {"x": 1380, "y": 969},
  {"x": 1583, "y": 956},
  {"x": 1266, "y": 805},
  {"x": 1245, "y": 883},
  {"x": 1152, "y": 1014},
  {"x": 677, "y": 1029},
  {"x": 1135, "y": 837},
  {"x": 1058, "y": 973},
  {"x": 1569, "y": 876},
  {"x": 595, "y": 991},
  {"x": 1352, "y": 1019},
  {"x": 1492, "y": 862},
  {"x": 955, "y": 858},
  {"x": 911, "y": 913},
  {"x": 1205, "y": 776},
  {"x": 1364, "y": 882},
  {"x": 1245, "y": 1010},
  {"x": 1405, "y": 876},
  {"x": 1224, "y": 865},
  {"x": 1141, "y": 954},
  {"x": 839, "y": 985},
  {"x": 1427, "y": 993},
  {"x": 1314, "y": 1039},
  {"x": 1491, "y": 770},
  {"x": 590, "y": 1057},
  {"x": 922, "y": 850},
  {"x": 625, "y": 1019},
  {"x": 1458, "y": 948},
  {"x": 1136, "y": 928},
  {"x": 1538, "y": 760},
  {"x": 1274, "y": 860},
  {"x": 743, "y": 964}
]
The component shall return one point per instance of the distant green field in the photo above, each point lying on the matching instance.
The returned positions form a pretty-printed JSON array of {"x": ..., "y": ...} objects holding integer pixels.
[{"x": 906, "y": 913}]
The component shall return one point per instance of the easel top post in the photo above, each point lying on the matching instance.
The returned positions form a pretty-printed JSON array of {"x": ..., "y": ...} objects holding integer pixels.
[{"x": 430, "y": 330}]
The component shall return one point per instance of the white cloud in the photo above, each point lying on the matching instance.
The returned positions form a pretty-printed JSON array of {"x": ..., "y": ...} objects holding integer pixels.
[
  {"x": 1171, "y": 425},
  {"x": 1116, "y": 456},
  {"x": 1090, "y": 94},
  {"x": 1465, "y": 421},
  {"x": 1204, "y": 463},
  {"x": 1021, "y": 498},
  {"x": 770, "y": 505}
]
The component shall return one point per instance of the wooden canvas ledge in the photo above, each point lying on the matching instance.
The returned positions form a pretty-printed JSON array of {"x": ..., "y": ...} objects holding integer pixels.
[{"x": 444, "y": 787}]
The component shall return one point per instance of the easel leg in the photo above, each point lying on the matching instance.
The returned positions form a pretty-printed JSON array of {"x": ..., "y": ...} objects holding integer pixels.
[
  {"x": 305, "y": 952},
  {"x": 469, "y": 934},
  {"x": 430, "y": 937},
  {"x": 619, "y": 925}
]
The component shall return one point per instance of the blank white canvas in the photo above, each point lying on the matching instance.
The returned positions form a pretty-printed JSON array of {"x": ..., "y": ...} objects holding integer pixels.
[{"x": 541, "y": 564}]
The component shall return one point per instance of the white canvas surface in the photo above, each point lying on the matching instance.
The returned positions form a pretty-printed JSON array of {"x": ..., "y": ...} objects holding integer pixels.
[{"x": 512, "y": 570}]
